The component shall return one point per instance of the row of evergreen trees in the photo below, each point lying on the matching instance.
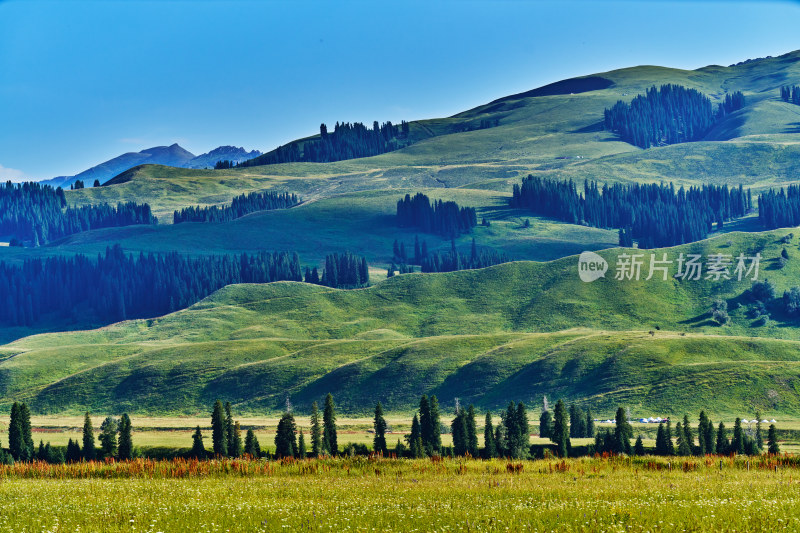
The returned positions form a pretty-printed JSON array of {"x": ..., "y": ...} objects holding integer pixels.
[
  {"x": 240, "y": 206},
  {"x": 36, "y": 214},
  {"x": 441, "y": 261},
  {"x": 779, "y": 208},
  {"x": 117, "y": 286},
  {"x": 442, "y": 218},
  {"x": 710, "y": 441},
  {"x": 791, "y": 93},
  {"x": 347, "y": 141},
  {"x": 115, "y": 437},
  {"x": 656, "y": 215},
  {"x": 669, "y": 115}
]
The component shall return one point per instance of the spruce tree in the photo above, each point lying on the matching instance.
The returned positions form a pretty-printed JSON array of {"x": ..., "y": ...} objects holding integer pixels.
[
  {"x": 623, "y": 433},
  {"x": 316, "y": 431},
  {"x": 638, "y": 448},
  {"x": 379, "y": 425},
  {"x": 711, "y": 443},
  {"x": 74, "y": 453},
  {"x": 459, "y": 430},
  {"x": 772, "y": 441},
  {"x": 589, "y": 424},
  {"x": 108, "y": 437},
  {"x": 560, "y": 435},
  {"x": 27, "y": 435},
  {"x": 687, "y": 434},
  {"x": 415, "y": 445},
  {"x": 329, "y": 439},
  {"x": 251, "y": 446},
  {"x": 229, "y": 430},
  {"x": 545, "y": 425},
  {"x": 722, "y": 446},
  {"x": 236, "y": 443},
  {"x": 702, "y": 428},
  {"x": 670, "y": 446},
  {"x": 16, "y": 443},
  {"x": 683, "y": 445},
  {"x": 285, "y": 438},
  {"x": 198, "y": 448},
  {"x": 435, "y": 444},
  {"x": 472, "y": 432},
  {"x": 759, "y": 435},
  {"x": 489, "y": 448},
  {"x": 737, "y": 444},
  {"x": 219, "y": 435},
  {"x": 301, "y": 446},
  {"x": 125, "y": 448},
  {"x": 661, "y": 440},
  {"x": 89, "y": 452}
]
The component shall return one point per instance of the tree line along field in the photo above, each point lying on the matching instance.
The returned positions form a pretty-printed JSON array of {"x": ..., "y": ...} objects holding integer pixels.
[{"x": 361, "y": 493}]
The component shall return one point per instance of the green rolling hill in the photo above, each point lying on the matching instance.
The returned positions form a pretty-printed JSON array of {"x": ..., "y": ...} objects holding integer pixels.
[
  {"x": 517, "y": 330},
  {"x": 514, "y": 331}
]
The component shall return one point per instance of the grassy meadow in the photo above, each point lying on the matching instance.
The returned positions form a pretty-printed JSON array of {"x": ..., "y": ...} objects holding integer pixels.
[{"x": 361, "y": 494}]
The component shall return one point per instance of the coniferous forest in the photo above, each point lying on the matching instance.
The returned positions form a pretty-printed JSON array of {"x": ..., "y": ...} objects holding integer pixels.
[
  {"x": 240, "y": 206},
  {"x": 655, "y": 215},
  {"x": 791, "y": 94},
  {"x": 779, "y": 209},
  {"x": 347, "y": 141},
  {"x": 442, "y": 218},
  {"x": 34, "y": 213},
  {"x": 344, "y": 271},
  {"x": 117, "y": 286},
  {"x": 669, "y": 115}
]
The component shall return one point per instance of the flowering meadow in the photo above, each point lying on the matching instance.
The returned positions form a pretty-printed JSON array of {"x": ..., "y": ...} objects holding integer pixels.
[{"x": 376, "y": 494}]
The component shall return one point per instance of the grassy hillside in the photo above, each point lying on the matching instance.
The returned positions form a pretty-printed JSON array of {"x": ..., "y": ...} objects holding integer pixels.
[{"x": 515, "y": 331}]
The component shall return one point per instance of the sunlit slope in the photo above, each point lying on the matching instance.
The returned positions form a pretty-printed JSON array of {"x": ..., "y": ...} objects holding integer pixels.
[
  {"x": 517, "y": 330},
  {"x": 550, "y": 132}
]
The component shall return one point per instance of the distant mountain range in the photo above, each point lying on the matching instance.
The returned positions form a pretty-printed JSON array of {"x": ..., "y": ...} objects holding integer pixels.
[{"x": 173, "y": 155}]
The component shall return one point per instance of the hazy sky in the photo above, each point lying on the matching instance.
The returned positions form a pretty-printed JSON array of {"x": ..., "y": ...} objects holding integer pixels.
[{"x": 83, "y": 81}]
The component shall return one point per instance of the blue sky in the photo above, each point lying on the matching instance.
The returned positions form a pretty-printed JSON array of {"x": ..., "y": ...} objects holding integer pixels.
[{"x": 81, "y": 82}]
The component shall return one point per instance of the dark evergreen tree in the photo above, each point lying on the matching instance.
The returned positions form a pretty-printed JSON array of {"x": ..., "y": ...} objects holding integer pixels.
[
  {"x": 229, "y": 430},
  {"x": 472, "y": 432},
  {"x": 458, "y": 428},
  {"x": 623, "y": 433},
  {"x": 285, "y": 438},
  {"x": 251, "y": 445},
  {"x": 89, "y": 452},
  {"x": 589, "y": 431},
  {"x": 638, "y": 448},
  {"x": 108, "y": 437},
  {"x": 236, "y": 448},
  {"x": 125, "y": 447},
  {"x": 74, "y": 453},
  {"x": 545, "y": 425},
  {"x": 219, "y": 433},
  {"x": 560, "y": 434},
  {"x": 670, "y": 446},
  {"x": 415, "y": 445},
  {"x": 301, "y": 446},
  {"x": 737, "y": 443},
  {"x": 722, "y": 445},
  {"x": 330, "y": 442},
  {"x": 661, "y": 442},
  {"x": 316, "y": 431},
  {"x": 772, "y": 441},
  {"x": 489, "y": 448},
  {"x": 379, "y": 425},
  {"x": 759, "y": 435},
  {"x": 687, "y": 434}
]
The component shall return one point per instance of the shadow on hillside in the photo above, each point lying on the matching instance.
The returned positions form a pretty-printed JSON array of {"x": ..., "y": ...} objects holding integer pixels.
[
  {"x": 794, "y": 127},
  {"x": 591, "y": 128}
]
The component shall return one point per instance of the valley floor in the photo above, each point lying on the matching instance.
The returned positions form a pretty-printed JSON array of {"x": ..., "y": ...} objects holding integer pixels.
[{"x": 359, "y": 494}]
